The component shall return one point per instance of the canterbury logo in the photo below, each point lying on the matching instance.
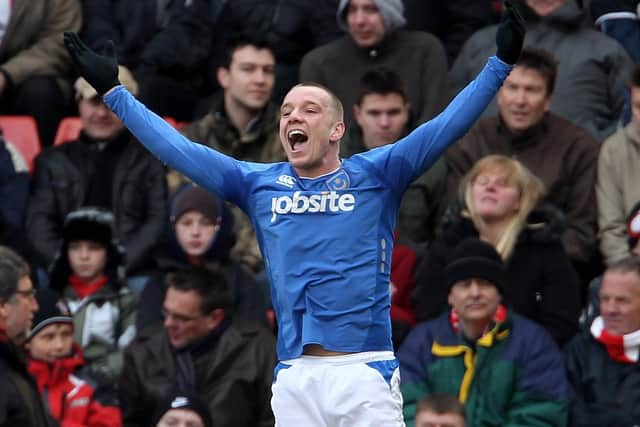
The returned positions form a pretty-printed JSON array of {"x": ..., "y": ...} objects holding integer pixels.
[
  {"x": 286, "y": 180},
  {"x": 323, "y": 202}
]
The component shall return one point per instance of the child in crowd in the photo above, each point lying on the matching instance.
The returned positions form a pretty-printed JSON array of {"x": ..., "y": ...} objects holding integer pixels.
[
  {"x": 56, "y": 363},
  {"x": 201, "y": 233},
  {"x": 89, "y": 274}
]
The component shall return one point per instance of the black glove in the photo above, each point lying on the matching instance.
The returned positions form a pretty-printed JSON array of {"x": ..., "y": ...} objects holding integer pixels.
[
  {"x": 510, "y": 35},
  {"x": 100, "y": 71}
]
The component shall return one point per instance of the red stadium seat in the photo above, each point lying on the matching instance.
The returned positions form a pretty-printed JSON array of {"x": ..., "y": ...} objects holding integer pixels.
[
  {"x": 70, "y": 127},
  {"x": 22, "y": 133},
  {"x": 68, "y": 130}
]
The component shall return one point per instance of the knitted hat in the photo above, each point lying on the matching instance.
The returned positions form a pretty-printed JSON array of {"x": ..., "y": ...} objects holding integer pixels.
[
  {"x": 392, "y": 12},
  {"x": 192, "y": 197},
  {"x": 85, "y": 91},
  {"x": 187, "y": 401},
  {"x": 633, "y": 225},
  {"x": 473, "y": 258},
  {"x": 50, "y": 310}
]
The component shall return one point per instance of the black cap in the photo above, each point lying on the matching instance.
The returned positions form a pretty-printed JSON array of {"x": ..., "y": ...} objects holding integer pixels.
[
  {"x": 184, "y": 400},
  {"x": 474, "y": 258},
  {"x": 50, "y": 310}
]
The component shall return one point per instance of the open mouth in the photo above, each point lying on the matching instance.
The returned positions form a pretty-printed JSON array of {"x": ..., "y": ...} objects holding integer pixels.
[{"x": 296, "y": 137}]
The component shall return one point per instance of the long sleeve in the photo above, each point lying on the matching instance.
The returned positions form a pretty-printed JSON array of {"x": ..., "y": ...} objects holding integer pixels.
[
  {"x": 422, "y": 147},
  {"x": 209, "y": 168}
]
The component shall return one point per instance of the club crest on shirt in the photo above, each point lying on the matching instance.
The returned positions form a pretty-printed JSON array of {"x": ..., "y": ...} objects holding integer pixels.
[{"x": 339, "y": 181}]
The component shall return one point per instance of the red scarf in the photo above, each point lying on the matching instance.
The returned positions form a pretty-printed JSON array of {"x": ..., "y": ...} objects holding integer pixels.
[
  {"x": 499, "y": 317},
  {"x": 83, "y": 288},
  {"x": 621, "y": 348}
]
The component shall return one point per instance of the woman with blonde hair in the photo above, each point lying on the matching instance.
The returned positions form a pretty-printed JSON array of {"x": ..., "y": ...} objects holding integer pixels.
[{"x": 502, "y": 205}]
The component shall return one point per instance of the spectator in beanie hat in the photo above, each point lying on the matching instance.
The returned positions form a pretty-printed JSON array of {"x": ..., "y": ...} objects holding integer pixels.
[
  {"x": 201, "y": 233},
  {"x": 183, "y": 408},
  {"x": 55, "y": 362},
  {"x": 376, "y": 37},
  {"x": 88, "y": 272},
  {"x": 505, "y": 369}
]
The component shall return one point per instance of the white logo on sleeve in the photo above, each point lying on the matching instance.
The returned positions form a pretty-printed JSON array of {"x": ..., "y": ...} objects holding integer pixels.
[{"x": 323, "y": 202}]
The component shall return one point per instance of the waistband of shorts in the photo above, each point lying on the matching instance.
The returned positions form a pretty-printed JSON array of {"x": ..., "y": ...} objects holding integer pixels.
[{"x": 345, "y": 359}]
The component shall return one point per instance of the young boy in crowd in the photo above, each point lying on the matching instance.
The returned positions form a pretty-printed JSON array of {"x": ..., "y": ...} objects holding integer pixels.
[
  {"x": 56, "y": 363},
  {"x": 89, "y": 274}
]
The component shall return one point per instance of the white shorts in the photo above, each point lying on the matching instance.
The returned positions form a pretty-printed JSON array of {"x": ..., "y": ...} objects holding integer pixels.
[{"x": 354, "y": 390}]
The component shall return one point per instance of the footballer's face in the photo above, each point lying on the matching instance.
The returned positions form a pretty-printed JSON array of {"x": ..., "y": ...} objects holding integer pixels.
[{"x": 311, "y": 127}]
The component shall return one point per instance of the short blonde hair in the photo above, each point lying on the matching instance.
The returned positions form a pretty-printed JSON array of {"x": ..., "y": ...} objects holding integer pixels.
[{"x": 530, "y": 188}]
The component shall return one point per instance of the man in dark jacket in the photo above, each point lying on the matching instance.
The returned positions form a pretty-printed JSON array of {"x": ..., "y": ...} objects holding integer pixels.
[
  {"x": 602, "y": 362},
  {"x": 201, "y": 350},
  {"x": 104, "y": 167},
  {"x": 558, "y": 152},
  {"x": 376, "y": 39},
  {"x": 20, "y": 403}
]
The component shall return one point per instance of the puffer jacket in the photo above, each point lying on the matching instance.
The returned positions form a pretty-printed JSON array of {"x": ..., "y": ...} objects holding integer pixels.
[
  {"x": 512, "y": 376},
  {"x": 104, "y": 322},
  {"x": 73, "y": 398}
]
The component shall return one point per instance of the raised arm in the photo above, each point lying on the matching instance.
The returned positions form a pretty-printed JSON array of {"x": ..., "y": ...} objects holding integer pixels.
[
  {"x": 209, "y": 168},
  {"x": 422, "y": 147}
]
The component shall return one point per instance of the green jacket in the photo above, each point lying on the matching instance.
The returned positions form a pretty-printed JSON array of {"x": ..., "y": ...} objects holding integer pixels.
[{"x": 514, "y": 377}]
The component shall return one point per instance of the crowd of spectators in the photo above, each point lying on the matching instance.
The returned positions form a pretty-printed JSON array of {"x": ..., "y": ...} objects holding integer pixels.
[{"x": 148, "y": 294}]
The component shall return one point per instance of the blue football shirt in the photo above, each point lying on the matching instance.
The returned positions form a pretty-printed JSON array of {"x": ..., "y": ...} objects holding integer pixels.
[{"x": 326, "y": 241}]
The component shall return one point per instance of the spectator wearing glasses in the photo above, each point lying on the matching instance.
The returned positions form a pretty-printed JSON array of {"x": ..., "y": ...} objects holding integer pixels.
[
  {"x": 20, "y": 403},
  {"x": 201, "y": 350}
]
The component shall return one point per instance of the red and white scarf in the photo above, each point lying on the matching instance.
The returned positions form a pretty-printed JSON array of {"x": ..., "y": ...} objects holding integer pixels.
[{"x": 621, "y": 348}]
